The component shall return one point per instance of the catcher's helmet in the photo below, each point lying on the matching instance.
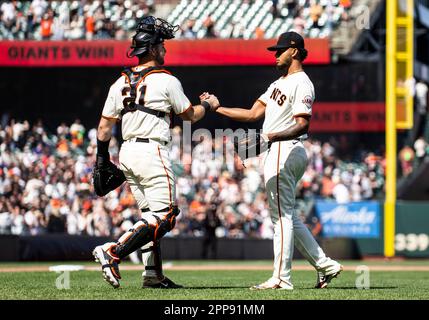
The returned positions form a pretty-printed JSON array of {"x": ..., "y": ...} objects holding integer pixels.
[{"x": 150, "y": 31}]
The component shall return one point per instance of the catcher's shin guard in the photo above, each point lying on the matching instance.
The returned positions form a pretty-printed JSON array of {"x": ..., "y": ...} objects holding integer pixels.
[{"x": 150, "y": 228}]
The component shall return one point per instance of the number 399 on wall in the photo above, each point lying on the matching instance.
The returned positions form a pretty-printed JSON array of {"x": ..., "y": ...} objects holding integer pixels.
[{"x": 411, "y": 242}]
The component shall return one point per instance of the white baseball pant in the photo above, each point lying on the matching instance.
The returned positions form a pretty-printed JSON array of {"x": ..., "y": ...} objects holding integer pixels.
[
  {"x": 285, "y": 163},
  {"x": 148, "y": 170}
]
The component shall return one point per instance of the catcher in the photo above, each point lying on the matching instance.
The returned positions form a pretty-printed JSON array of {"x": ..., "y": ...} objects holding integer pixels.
[{"x": 143, "y": 98}]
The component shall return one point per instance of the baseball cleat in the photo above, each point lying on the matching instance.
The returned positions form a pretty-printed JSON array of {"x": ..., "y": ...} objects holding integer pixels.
[
  {"x": 109, "y": 265},
  {"x": 323, "y": 279},
  {"x": 155, "y": 283},
  {"x": 273, "y": 283}
]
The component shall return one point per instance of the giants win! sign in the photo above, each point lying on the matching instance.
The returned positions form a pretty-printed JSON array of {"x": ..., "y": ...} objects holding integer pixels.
[
  {"x": 351, "y": 220},
  {"x": 348, "y": 117},
  {"x": 214, "y": 52}
]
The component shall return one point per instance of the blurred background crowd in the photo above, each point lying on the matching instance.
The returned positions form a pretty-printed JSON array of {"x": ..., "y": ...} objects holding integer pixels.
[
  {"x": 116, "y": 19},
  {"x": 45, "y": 184}
]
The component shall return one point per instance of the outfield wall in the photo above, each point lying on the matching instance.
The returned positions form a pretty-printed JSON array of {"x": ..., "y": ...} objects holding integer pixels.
[
  {"x": 350, "y": 231},
  {"x": 78, "y": 248}
]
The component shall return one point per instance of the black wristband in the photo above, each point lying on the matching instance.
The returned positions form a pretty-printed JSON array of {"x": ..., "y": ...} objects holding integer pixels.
[
  {"x": 206, "y": 106},
  {"x": 103, "y": 147}
]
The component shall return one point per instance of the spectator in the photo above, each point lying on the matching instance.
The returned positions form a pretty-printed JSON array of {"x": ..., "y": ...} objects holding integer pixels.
[
  {"x": 421, "y": 98},
  {"x": 76, "y": 31},
  {"x": 406, "y": 157},
  {"x": 209, "y": 26},
  {"x": 188, "y": 32},
  {"x": 420, "y": 147},
  {"x": 259, "y": 33},
  {"x": 210, "y": 223},
  {"x": 275, "y": 9},
  {"x": 8, "y": 13},
  {"x": 46, "y": 27},
  {"x": 299, "y": 23},
  {"x": 89, "y": 27},
  {"x": 77, "y": 131},
  {"x": 38, "y": 8},
  {"x": 316, "y": 11},
  {"x": 346, "y": 5},
  {"x": 340, "y": 191}
]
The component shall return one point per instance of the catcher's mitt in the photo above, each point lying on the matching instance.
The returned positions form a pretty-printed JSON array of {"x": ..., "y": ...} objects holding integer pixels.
[
  {"x": 106, "y": 177},
  {"x": 250, "y": 144}
]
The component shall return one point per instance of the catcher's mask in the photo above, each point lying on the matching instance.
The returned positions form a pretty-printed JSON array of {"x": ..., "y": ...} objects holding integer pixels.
[{"x": 150, "y": 31}]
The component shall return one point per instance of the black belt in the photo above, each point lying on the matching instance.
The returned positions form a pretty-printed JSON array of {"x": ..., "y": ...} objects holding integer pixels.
[
  {"x": 146, "y": 140},
  {"x": 161, "y": 210}
]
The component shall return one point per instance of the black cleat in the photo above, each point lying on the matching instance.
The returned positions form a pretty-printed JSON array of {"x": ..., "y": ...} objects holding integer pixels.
[{"x": 155, "y": 283}]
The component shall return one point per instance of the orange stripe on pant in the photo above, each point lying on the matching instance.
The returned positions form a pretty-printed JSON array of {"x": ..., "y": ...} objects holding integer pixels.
[
  {"x": 279, "y": 210},
  {"x": 168, "y": 177}
]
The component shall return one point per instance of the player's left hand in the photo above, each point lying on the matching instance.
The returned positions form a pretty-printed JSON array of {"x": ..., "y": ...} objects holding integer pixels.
[
  {"x": 204, "y": 96},
  {"x": 211, "y": 99}
]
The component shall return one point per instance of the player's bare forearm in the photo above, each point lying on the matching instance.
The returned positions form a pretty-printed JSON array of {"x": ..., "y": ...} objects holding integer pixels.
[
  {"x": 194, "y": 114},
  {"x": 245, "y": 115},
  {"x": 105, "y": 127},
  {"x": 238, "y": 114},
  {"x": 298, "y": 129},
  {"x": 199, "y": 113}
]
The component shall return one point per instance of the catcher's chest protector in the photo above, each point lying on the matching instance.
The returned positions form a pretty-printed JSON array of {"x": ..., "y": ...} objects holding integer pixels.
[{"x": 134, "y": 78}]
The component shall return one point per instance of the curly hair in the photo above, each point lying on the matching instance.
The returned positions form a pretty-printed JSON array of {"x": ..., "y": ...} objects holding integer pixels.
[{"x": 302, "y": 54}]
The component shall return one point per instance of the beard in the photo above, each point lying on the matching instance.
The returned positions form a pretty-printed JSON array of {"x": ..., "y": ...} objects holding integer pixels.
[{"x": 284, "y": 67}]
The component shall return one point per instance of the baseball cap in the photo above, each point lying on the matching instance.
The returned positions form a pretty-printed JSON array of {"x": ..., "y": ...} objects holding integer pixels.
[{"x": 286, "y": 40}]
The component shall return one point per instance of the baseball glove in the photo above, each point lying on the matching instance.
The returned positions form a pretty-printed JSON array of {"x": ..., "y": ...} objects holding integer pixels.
[
  {"x": 250, "y": 144},
  {"x": 106, "y": 177}
]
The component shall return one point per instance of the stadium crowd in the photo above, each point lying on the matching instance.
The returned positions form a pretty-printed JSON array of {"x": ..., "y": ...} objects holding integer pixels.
[
  {"x": 45, "y": 185},
  {"x": 115, "y": 19}
]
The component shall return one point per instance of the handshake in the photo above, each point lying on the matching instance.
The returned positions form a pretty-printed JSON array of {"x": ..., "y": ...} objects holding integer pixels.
[{"x": 211, "y": 100}]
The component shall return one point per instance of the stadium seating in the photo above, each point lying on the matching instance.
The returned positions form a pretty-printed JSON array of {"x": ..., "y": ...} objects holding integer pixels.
[
  {"x": 252, "y": 14},
  {"x": 45, "y": 175},
  {"x": 232, "y": 18}
]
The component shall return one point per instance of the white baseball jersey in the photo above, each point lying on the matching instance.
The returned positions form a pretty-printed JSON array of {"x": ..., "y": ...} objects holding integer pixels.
[
  {"x": 146, "y": 163},
  {"x": 163, "y": 92},
  {"x": 286, "y": 98},
  {"x": 285, "y": 163}
]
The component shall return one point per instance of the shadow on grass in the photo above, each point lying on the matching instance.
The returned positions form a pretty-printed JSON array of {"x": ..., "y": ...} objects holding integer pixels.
[
  {"x": 353, "y": 288},
  {"x": 222, "y": 287}
]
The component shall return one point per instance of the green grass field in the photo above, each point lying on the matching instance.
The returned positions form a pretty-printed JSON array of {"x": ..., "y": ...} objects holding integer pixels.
[{"x": 216, "y": 284}]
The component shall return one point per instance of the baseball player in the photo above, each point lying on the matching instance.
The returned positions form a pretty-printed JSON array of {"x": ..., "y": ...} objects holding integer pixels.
[
  {"x": 287, "y": 106},
  {"x": 143, "y": 99}
]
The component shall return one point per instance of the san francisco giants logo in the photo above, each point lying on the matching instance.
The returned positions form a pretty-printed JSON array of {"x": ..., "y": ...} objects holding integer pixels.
[{"x": 277, "y": 96}]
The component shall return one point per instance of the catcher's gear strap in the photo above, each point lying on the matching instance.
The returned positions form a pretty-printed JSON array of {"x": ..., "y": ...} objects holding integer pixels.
[
  {"x": 150, "y": 249},
  {"x": 144, "y": 232},
  {"x": 155, "y": 248},
  {"x": 134, "y": 78}
]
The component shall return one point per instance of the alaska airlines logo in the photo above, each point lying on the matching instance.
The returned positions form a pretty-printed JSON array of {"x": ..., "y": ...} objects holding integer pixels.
[{"x": 341, "y": 215}]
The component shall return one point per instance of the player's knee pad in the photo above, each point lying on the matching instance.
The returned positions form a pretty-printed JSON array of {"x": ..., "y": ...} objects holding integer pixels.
[{"x": 166, "y": 223}]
